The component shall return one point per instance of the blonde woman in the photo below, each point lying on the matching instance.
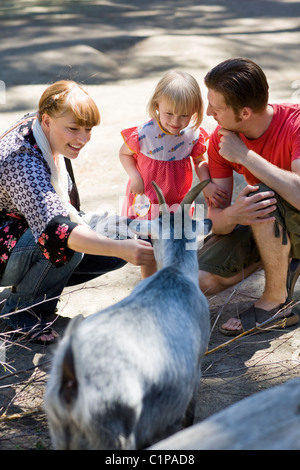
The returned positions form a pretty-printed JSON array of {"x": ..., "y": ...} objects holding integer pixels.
[{"x": 44, "y": 244}]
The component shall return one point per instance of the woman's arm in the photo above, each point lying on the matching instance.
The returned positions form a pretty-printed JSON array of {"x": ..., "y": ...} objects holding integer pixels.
[{"x": 85, "y": 240}]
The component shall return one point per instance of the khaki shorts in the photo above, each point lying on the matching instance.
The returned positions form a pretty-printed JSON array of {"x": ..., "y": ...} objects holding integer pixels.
[{"x": 227, "y": 255}]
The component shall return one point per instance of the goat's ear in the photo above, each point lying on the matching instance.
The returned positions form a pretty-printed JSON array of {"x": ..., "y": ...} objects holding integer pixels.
[{"x": 69, "y": 386}]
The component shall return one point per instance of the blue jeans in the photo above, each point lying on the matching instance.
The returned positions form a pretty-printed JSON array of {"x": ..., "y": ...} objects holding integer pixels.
[{"x": 34, "y": 279}]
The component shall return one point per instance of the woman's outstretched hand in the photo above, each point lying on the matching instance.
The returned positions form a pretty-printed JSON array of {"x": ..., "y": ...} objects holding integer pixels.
[{"x": 138, "y": 252}]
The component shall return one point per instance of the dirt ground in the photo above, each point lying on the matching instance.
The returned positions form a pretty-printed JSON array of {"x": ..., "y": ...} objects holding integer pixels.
[{"x": 119, "y": 50}]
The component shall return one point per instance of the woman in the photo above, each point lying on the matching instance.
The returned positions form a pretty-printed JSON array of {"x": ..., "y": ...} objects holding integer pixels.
[{"x": 42, "y": 236}]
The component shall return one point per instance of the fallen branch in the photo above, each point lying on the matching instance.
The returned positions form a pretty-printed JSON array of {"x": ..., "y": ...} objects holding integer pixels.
[
  {"x": 262, "y": 326},
  {"x": 25, "y": 414}
]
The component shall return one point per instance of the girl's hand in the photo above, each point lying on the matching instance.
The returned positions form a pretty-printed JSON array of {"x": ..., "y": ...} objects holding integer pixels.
[
  {"x": 136, "y": 185},
  {"x": 215, "y": 195}
]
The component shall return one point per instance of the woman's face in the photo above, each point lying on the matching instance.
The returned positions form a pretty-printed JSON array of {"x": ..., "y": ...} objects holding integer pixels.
[{"x": 64, "y": 135}]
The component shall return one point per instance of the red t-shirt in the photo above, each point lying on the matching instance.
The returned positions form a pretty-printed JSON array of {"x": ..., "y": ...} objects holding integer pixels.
[{"x": 280, "y": 144}]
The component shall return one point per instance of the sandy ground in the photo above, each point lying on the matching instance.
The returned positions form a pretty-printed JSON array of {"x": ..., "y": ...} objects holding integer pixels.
[{"x": 119, "y": 50}]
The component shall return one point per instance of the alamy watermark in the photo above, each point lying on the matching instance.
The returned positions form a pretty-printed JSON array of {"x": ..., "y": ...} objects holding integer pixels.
[{"x": 175, "y": 224}]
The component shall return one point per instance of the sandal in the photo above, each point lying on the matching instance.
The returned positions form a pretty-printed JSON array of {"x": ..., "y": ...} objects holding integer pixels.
[
  {"x": 30, "y": 327},
  {"x": 250, "y": 317},
  {"x": 35, "y": 334}
]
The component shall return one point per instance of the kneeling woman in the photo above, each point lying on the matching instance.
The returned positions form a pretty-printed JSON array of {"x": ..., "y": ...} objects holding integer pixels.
[{"x": 44, "y": 243}]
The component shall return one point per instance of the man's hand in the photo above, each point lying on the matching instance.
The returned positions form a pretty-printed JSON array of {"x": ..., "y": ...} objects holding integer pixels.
[
  {"x": 255, "y": 208},
  {"x": 231, "y": 146}
]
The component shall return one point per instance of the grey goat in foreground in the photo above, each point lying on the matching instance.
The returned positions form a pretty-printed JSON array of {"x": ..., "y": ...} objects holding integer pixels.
[{"x": 123, "y": 376}]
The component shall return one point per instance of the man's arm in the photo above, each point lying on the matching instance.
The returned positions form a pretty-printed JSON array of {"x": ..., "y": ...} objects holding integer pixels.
[
  {"x": 286, "y": 183},
  {"x": 246, "y": 210}
]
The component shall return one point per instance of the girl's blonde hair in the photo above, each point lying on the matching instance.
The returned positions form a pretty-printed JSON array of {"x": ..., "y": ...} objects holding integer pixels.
[
  {"x": 64, "y": 96},
  {"x": 181, "y": 93}
]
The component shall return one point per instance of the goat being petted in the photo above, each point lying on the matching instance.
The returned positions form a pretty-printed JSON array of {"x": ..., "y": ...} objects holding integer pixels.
[{"x": 123, "y": 376}]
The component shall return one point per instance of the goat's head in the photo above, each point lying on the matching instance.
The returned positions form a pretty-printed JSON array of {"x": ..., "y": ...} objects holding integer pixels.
[{"x": 174, "y": 225}]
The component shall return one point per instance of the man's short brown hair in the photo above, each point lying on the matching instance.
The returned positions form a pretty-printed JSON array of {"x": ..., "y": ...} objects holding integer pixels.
[{"x": 242, "y": 83}]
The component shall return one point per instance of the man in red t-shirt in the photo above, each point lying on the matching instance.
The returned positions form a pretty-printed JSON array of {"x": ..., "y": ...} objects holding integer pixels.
[{"x": 262, "y": 226}]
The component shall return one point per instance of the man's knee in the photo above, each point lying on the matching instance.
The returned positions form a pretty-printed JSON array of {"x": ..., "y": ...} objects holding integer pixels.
[{"x": 212, "y": 283}]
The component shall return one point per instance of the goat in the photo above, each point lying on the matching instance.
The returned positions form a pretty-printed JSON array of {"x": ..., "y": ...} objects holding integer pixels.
[{"x": 123, "y": 376}]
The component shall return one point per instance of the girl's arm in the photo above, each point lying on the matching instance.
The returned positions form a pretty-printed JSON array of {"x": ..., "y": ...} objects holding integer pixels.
[
  {"x": 201, "y": 169},
  {"x": 129, "y": 164},
  {"x": 213, "y": 193}
]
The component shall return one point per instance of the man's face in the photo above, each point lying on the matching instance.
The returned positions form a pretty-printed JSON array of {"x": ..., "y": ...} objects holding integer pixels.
[{"x": 221, "y": 112}]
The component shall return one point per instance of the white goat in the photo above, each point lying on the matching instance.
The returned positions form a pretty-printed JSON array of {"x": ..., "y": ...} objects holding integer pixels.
[{"x": 123, "y": 376}]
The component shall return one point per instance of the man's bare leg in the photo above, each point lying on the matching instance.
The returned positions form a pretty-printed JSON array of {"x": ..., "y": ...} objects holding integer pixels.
[
  {"x": 275, "y": 258},
  {"x": 212, "y": 284}
]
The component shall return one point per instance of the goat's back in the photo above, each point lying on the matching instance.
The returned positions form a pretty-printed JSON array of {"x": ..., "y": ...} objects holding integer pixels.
[{"x": 135, "y": 366}]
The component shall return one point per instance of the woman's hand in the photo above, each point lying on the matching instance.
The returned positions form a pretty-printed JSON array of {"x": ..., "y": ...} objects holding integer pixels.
[
  {"x": 84, "y": 240},
  {"x": 137, "y": 252}
]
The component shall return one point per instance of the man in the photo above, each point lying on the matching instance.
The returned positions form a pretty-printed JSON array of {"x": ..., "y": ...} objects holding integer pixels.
[{"x": 261, "y": 142}]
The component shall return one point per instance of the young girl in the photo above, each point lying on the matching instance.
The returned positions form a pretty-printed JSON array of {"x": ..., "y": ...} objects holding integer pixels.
[{"x": 160, "y": 149}]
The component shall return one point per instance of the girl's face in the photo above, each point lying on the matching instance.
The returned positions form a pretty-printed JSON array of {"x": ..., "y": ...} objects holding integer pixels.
[
  {"x": 172, "y": 123},
  {"x": 64, "y": 135}
]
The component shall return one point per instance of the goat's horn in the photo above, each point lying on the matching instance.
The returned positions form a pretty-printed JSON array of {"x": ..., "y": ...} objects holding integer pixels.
[
  {"x": 160, "y": 196},
  {"x": 193, "y": 193}
]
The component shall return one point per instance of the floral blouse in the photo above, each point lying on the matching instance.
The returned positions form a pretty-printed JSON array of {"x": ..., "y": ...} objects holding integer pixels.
[{"x": 28, "y": 199}]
